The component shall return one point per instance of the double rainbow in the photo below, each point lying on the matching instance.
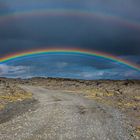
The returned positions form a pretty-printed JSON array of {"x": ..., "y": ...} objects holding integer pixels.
[
  {"x": 33, "y": 53},
  {"x": 68, "y": 12},
  {"x": 6, "y": 18}
]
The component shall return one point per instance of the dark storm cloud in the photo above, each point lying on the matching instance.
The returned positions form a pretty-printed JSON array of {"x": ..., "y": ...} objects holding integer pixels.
[
  {"x": 71, "y": 31},
  {"x": 4, "y": 8},
  {"x": 64, "y": 31}
]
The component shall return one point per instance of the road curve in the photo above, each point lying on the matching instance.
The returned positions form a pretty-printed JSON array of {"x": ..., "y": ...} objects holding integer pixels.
[{"x": 63, "y": 116}]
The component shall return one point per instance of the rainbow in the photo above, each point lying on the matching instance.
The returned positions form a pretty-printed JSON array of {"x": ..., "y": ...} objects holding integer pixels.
[
  {"x": 6, "y": 18},
  {"x": 33, "y": 53}
]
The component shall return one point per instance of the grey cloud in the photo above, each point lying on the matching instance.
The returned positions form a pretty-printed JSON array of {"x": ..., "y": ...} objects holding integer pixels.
[{"x": 7, "y": 70}]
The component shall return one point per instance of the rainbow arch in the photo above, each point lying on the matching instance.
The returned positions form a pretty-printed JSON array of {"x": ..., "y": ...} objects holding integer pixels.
[
  {"x": 36, "y": 52},
  {"x": 70, "y": 12}
]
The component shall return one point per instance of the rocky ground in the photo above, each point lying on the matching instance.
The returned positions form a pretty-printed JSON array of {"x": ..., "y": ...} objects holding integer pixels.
[
  {"x": 123, "y": 96},
  {"x": 13, "y": 100}
]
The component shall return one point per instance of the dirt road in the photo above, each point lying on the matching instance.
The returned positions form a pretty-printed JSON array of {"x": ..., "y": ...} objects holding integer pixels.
[{"x": 63, "y": 116}]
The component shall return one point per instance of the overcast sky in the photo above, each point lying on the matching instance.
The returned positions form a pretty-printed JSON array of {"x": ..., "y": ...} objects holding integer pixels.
[{"x": 114, "y": 28}]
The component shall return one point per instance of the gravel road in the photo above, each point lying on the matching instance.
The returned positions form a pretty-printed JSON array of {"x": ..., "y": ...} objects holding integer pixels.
[{"x": 64, "y": 116}]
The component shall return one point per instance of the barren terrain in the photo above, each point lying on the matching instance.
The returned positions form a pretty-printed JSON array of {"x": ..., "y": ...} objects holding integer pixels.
[{"x": 57, "y": 109}]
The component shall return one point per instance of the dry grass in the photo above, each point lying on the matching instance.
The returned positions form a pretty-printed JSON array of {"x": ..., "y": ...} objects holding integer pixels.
[
  {"x": 13, "y": 98},
  {"x": 128, "y": 104},
  {"x": 12, "y": 93},
  {"x": 16, "y": 97},
  {"x": 138, "y": 131},
  {"x": 1, "y": 106}
]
